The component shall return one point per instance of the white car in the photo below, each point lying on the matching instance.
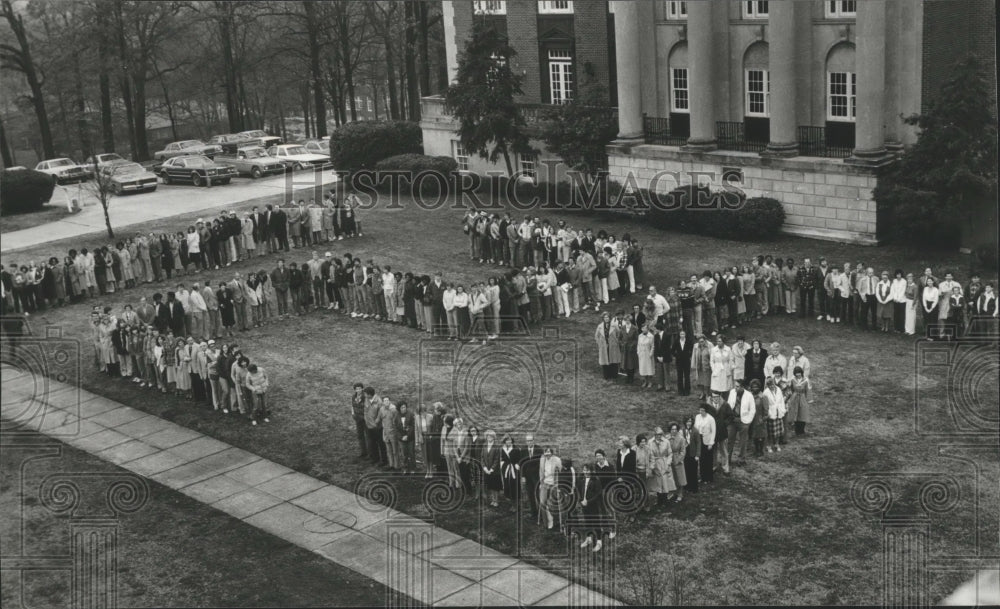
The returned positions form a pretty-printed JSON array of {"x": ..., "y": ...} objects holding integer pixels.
[
  {"x": 105, "y": 161},
  {"x": 64, "y": 170},
  {"x": 295, "y": 156},
  {"x": 318, "y": 147}
]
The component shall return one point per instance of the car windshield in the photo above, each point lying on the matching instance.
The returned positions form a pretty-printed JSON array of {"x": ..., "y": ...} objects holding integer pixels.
[
  {"x": 321, "y": 145},
  {"x": 190, "y": 144},
  {"x": 253, "y": 153},
  {"x": 107, "y": 158},
  {"x": 296, "y": 150},
  {"x": 256, "y": 133},
  {"x": 128, "y": 168},
  {"x": 197, "y": 161},
  {"x": 61, "y": 163}
]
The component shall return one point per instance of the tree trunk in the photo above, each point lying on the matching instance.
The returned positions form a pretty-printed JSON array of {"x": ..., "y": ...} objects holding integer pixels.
[
  {"x": 229, "y": 66},
  {"x": 105, "y": 203},
  {"x": 424, "y": 47},
  {"x": 104, "y": 56},
  {"x": 124, "y": 80},
  {"x": 312, "y": 34},
  {"x": 506, "y": 158},
  {"x": 170, "y": 108},
  {"x": 410, "y": 61},
  {"x": 5, "y": 153},
  {"x": 86, "y": 146},
  {"x": 26, "y": 65},
  {"x": 141, "y": 141},
  {"x": 390, "y": 63}
]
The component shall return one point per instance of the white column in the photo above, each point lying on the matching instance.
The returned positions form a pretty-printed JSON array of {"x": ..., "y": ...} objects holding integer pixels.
[
  {"x": 700, "y": 49},
  {"x": 627, "y": 62},
  {"x": 781, "y": 71},
  {"x": 869, "y": 64}
]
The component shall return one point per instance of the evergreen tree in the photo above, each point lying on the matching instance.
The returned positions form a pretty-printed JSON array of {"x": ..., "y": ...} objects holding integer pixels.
[
  {"x": 935, "y": 188},
  {"x": 482, "y": 98},
  {"x": 578, "y": 131}
]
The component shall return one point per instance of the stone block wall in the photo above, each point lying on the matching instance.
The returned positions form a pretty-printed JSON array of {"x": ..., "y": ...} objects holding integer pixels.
[{"x": 823, "y": 198}]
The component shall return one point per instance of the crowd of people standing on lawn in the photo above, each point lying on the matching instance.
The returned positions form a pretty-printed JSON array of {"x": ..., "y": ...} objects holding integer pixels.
[
  {"x": 230, "y": 238},
  {"x": 495, "y": 468}
]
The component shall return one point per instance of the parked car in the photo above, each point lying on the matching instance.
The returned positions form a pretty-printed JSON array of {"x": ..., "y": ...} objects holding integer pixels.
[
  {"x": 231, "y": 142},
  {"x": 196, "y": 147},
  {"x": 295, "y": 156},
  {"x": 318, "y": 147},
  {"x": 252, "y": 161},
  {"x": 64, "y": 170},
  {"x": 261, "y": 138},
  {"x": 130, "y": 177},
  {"x": 197, "y": 169},
  {"x": 104, "y": 161}
]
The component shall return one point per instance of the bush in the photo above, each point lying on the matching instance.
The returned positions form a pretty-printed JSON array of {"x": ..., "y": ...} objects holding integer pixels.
[
  {"x": 759, "y": 219},
  {"x": 725, "y": 214},
  {"x": 24, "y": 190},
  {"x": 417, "y": 163},
  {"x": 363, "y": 144}
]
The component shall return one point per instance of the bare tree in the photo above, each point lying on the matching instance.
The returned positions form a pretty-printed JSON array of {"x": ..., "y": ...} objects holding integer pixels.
[{"x": 19, "y": 59}]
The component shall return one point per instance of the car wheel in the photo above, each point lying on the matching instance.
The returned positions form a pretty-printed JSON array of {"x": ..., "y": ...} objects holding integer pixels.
[
  {"x": 166, "y": 177},
  {"x": 226, "y": 181},
  {"x": 116, "y": 189},
  {"x": 196, "y": 179},
  {"x": 255, "y": 173}
]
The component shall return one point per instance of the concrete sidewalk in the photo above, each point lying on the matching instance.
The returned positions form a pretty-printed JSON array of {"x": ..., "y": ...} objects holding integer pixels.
[
  {"x": 412, "y": 557},
  {"x": 165, "y": 202}
]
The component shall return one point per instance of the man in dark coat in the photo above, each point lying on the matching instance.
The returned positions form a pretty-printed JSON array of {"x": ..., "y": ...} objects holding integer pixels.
[
  {"x": 530, "y": 473},
  {"x": 436, "y": 291},
  {"x": 753, "y": 367},
  {"x": 279, "y": 227},
  {"x": 682, "y": 349},
  {"x": 161, "y": 314},
  {"x": 176, "y": 315}
]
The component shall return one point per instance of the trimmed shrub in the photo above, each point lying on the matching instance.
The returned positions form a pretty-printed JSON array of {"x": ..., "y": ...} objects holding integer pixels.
[
  {"x": 363, "y": 144},
  {"x": 758, "y": 219},
  {"x": 24, "y": 190},
  {"x": 417, "y": 163}
]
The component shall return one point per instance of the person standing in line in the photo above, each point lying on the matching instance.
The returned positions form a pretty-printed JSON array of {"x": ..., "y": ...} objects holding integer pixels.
[
  {"x": 549, "y": 467},
  {"x": 647, "y": 359},
  {"x": 373, "y": 428},
  {"x": 391, "y": 434},
  {"x": 510, "y": 471},
  {"x": 897, "y": 294},
  {"x": 883, "y": 295},
  {"x": 609, "y": 347},
  {"x": 742, "y": 404},
  {"x": 661, "y": 475},
  {"x": 662, "y": 357},
  {"x": 701, "y": 366},
  {"x": 257, "y": 384},
  {"x": 358, "y": 415},
  {"x": 692, "y": 457},
  {"x": 774, "y": 400},
  {"x": 705, "y": 424},
  {"x": 530, "y": 460},
  {"x": 683, "y": 352},
  {"x": 800, "y": 390},
  {"x": 407, "y": 438},
  {"x": 449, "y": 441}
]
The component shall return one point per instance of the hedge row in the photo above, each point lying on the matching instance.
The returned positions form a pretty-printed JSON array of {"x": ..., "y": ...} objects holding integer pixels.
[
  {"x": 24, "y": 190},
  {"x": 725, "y": 214},
  {"x": 363, "y": 144}
]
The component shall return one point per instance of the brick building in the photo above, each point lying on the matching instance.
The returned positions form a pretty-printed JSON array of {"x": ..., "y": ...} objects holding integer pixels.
[
  {"x": 559, "y": 44},
  {"x": 801, "y": 99}
]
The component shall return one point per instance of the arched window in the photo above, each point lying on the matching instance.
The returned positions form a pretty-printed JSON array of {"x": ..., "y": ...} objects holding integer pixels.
[
  {"x": 756, "y": 81},
  {"x": 841, "y": 84},
  {"x": 680, "y": 91}
]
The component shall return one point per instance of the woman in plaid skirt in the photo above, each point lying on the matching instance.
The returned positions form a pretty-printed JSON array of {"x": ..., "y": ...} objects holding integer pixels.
[{"x": 774, "y": 400}]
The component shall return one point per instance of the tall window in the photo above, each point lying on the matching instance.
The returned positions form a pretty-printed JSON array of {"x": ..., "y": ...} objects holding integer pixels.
[
  {"x": 755, "y": 9},
  {"x": 758, "y": 93},
  {"x": 675, "y": 11},
  {"x": 679, "y": 90},
  {"x": 841, "y": 96},
  {"x": 841, "y": 8},
  {"x": 460, "y": 155},
  {"x": 550, "y": 7},
  {"x": 368, "y": 103},
  {"x": 489, "y": 7},
  {"x": 560, "y": 76},
  {"x": 528, "y": 166}
]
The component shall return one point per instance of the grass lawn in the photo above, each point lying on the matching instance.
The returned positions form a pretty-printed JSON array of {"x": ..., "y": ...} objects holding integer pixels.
[
  {"x": 784, "y": 529},
  {"x": 172, "y": 552},
  {"x": 46, "y": 214}
]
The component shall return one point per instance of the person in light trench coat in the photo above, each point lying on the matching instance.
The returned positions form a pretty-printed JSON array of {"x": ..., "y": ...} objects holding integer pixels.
[
  {"x": 609, "y": 347},
  {"x": 660, "y": 475}
]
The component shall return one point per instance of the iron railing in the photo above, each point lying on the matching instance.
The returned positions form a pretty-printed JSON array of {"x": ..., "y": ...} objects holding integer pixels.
[
  {"x": 656, "y": 130},
  {"x": 813, "y": 142},
  {"x": 731, "y": 135}
]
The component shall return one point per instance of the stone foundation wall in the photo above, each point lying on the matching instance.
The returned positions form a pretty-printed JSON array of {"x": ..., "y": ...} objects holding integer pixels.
[{"x": 823, "y": 198}]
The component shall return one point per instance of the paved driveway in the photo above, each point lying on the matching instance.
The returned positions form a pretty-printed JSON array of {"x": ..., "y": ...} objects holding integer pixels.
[{"x": 165, "y": 202}]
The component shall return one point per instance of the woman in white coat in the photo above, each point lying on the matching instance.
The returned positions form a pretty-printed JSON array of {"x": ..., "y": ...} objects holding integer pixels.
[
  {"x": 647, "y": 365},
  {"x": 722, "y": 366}
]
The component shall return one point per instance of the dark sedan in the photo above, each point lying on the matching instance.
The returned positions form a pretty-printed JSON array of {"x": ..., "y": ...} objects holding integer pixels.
[{"x": 198, "y": 170}]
